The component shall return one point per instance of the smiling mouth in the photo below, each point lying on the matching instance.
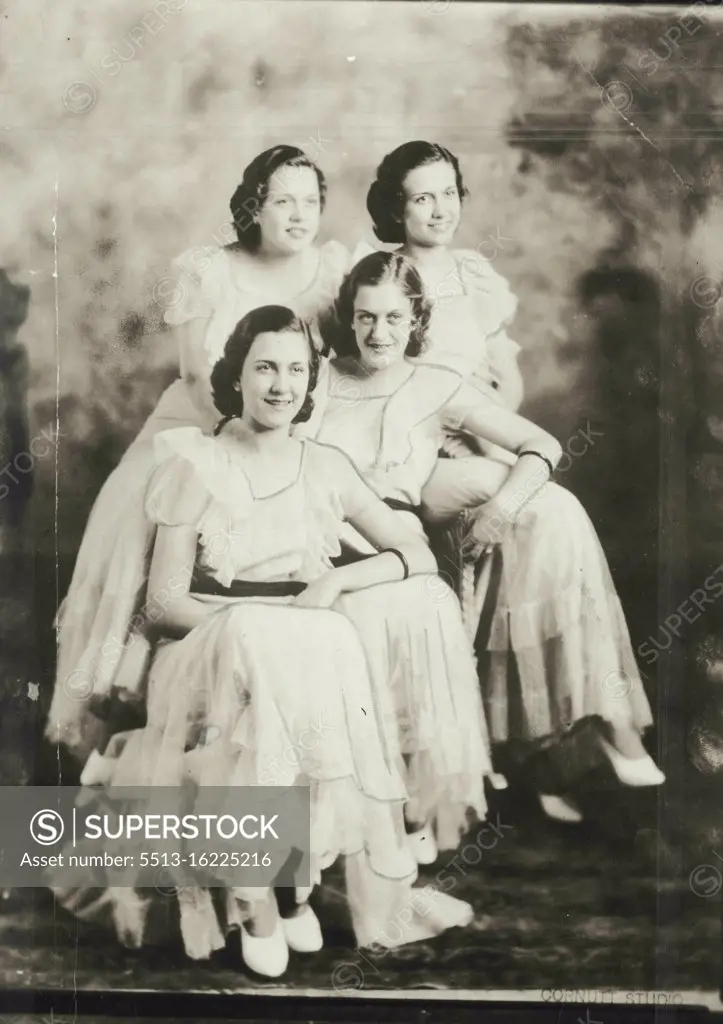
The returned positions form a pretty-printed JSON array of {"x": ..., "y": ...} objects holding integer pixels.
[
  {"x": 278, "y": 403},
  {"x": 297, "y": 232}
]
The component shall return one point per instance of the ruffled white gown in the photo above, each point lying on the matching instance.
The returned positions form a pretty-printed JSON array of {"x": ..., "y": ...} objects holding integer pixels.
[
  {"x": 107, "y": 589},
  {"x": 260, "y": 673},
  {"x": 556, "y": 609}
]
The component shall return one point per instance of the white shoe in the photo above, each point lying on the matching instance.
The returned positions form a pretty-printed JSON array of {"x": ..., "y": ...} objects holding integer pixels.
[
  {"x": 634, "y": 771},
  {"x": 98, "y": 770},
  {"x": 559, "y": 808},
  {"x": 303, "y": 932},
  {"x": 423, "y": 845},
  {"x": 497, "y": 781},
  {"x": 267, "y": 955}
]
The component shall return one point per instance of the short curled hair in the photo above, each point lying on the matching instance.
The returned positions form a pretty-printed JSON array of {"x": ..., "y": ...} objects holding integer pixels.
[
  {"x": 253, "y": 191},
  {"x": 386, "y": 197},
  {"x": 228, "y": 369},
  {"x": 380, "y": 268}
]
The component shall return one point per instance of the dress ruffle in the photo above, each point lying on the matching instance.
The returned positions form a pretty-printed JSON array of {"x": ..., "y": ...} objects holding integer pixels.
[
  {"x": 468, "y": 331},
  {"x": 496, "y": 303},
  {"x": 209, "y": 286}
]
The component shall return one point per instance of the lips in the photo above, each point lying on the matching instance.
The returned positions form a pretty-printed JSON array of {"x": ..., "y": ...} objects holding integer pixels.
[
  {"x": 297, "y": 232},
  {"x": 277, "y": 403}
]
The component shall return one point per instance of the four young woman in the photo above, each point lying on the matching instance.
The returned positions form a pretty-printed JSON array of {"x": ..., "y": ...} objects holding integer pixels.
[{"x": 302, "y": 514}]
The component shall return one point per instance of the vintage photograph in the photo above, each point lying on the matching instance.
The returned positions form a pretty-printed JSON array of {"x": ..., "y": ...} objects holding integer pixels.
[{"x": 361, "y": 431}]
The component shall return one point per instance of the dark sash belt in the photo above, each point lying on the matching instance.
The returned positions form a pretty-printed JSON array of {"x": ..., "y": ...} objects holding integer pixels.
[
  {"x": 403, "y": 506},
  {"x": 247, "y": 588}
]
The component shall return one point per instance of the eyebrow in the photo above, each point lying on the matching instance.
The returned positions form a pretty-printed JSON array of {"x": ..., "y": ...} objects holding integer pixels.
[
  {"x": 273, "y": 362},
  {"x": 368, "y": 312},
  {"x": 429, "y": 192}
]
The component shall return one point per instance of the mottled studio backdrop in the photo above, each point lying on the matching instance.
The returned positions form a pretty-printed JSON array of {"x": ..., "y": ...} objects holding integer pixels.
[{"x": 589, "y": 139}]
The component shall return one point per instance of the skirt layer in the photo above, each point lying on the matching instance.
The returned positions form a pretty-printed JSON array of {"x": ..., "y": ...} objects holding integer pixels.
[
  {"x": 229, "y": 706},
  {"x": 556, "y": 610},
  {"x": 418, "y": 653},
  {"x": 99, "y": 622}
]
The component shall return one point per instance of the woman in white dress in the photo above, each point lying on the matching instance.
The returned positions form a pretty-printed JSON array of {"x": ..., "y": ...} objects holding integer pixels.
[
  {"x": 558, "y": 610},
  {"x": 262, "y": 638},
  {"x": 276, "y": 212},
  {"x": 416, "y": 201}
]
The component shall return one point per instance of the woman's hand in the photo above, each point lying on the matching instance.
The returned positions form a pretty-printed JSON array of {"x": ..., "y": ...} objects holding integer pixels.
[
  {"x": 322, "y": 593},
  {"x": 489, "y": 524}
]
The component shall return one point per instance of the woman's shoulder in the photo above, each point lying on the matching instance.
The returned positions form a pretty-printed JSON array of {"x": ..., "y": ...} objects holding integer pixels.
[
  {"x": 326, "y": 458},
  {"x": 331, "y": 468},
  {"x": 192, "y": 473},
  {"x": 334, "y": 264},
  {"x": 208, "y": 267},
  {"x": 199, "y": 260},
  {"x": 435, "y": 379},
  {"x": 485, "y": 282}
]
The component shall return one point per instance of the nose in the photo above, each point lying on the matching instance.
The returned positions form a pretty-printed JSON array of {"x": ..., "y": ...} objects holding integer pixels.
[
  {"x": 295, "y": 212},
  {"x": 437, "y": 211},
  {"x": 379, "y": 331},
  {"x": 280, "y": 383}
]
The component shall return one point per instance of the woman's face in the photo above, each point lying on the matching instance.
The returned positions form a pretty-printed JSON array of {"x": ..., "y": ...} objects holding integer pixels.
[
  {"x": 382, "y": 323},
  {"x": 290, "y": 216},
  {"x": 432, "y": 206},
  {"x": 275, "y": 379}
]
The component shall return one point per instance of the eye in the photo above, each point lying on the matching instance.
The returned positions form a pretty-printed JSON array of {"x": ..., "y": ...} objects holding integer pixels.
[
  {"x": 395, "y": 318},
  {"x": 422, "y": 200},
  {"x": 313, "y": 200},
  {"x": 451, "y": 193},
  {"x": 262, "y": 367},
  {"x": 298, "y": 369},
  {"x": 364, "y": 318}
]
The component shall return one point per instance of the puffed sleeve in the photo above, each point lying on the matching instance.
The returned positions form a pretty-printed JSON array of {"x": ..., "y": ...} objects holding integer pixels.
[
  {"x": 501, "y": 348},
  {"x": 185, "y": 292},
  {"x": 495, "y": 302},
  {"x": 361, "y": 249},
  {"x": 177, "y": 494}
]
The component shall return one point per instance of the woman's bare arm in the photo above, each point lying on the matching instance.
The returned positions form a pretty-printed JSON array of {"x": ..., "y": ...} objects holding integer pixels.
[
  {"x": 516, "y": 434},
  {"x": 196, "y": 367},
  {"x": 174, "y": 555}
]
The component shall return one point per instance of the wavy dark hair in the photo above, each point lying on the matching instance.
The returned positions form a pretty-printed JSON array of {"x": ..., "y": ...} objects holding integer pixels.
[
  {"x": 253, "y": 191},
  {"x": 380, "y": 268},
  {"x": 386, "y": 197},
  {"x": 227, "y": 371}
]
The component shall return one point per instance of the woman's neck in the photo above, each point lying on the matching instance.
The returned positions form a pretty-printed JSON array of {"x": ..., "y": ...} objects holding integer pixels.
[
  {"x": 257, "y": 439},
  {"x": 429, "y": 257},
  {"x": 390, "y": 376},
  {"x": 285, "y": 260}
]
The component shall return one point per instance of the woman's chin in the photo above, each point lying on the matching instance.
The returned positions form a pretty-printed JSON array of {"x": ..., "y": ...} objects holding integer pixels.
[
  {"x": 291, "y": 246},
  {"x": 276, "y": 419},
  {"x": 380, "y": 360}
]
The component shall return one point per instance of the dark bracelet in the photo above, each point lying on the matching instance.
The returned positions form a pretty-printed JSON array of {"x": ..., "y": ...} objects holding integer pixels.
[
  {"x": 402, "y": 559},
  {"x": 539, "y": 456}
]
